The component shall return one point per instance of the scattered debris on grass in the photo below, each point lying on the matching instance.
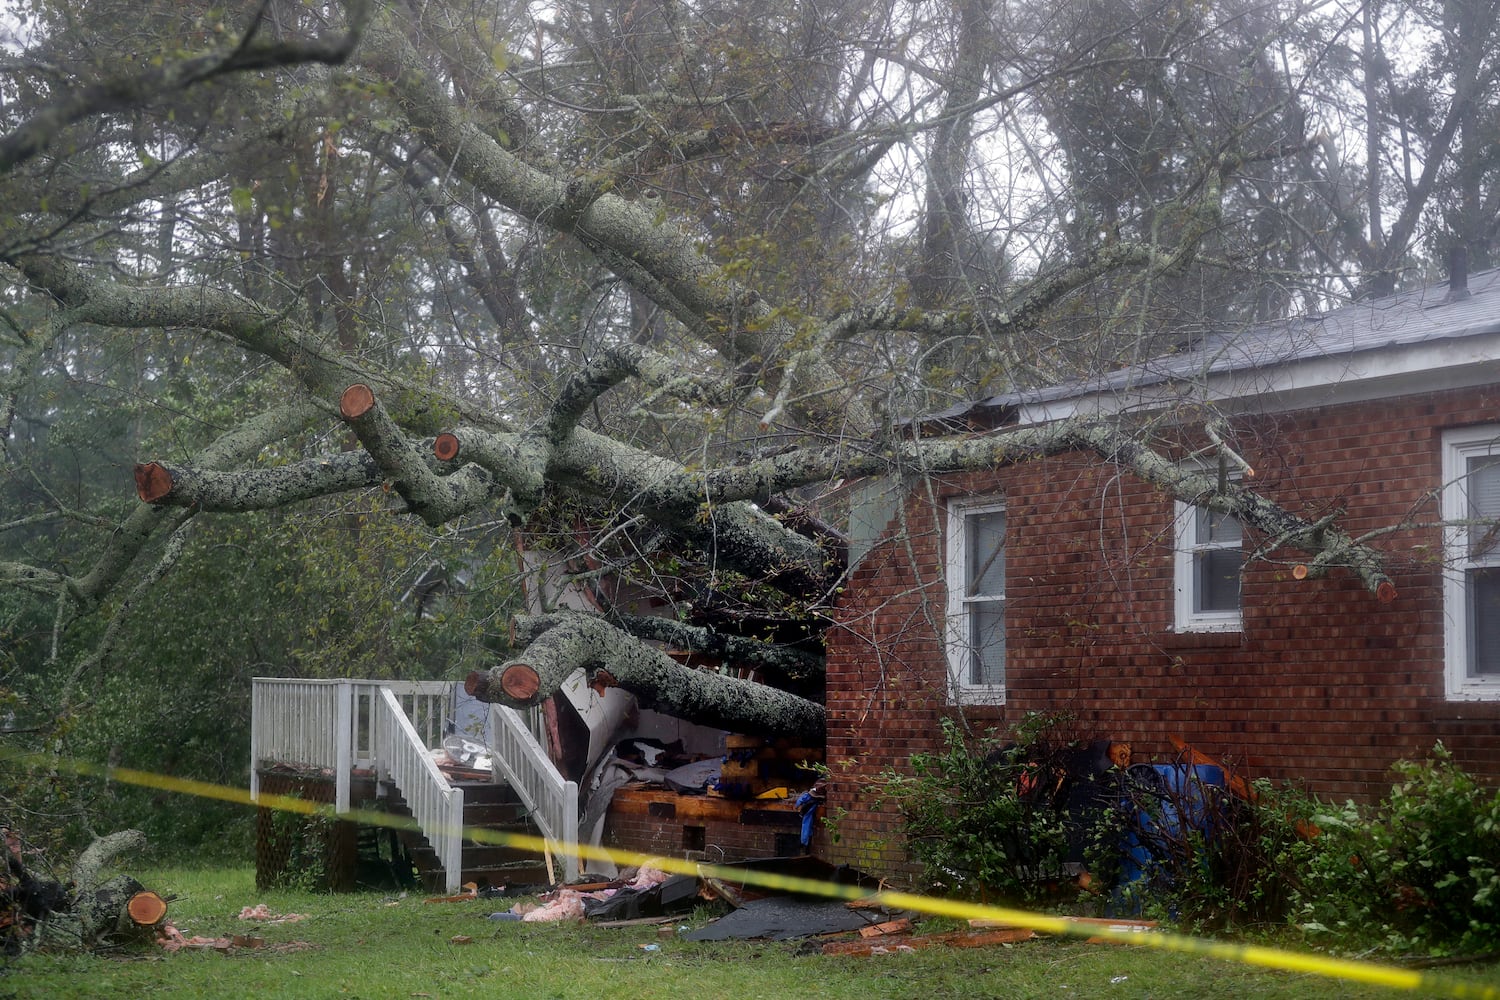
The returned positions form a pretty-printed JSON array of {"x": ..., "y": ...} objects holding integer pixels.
[
  {"x": 263, "y": 914},
  {"x": 1115, "y": 924},
  {"x": 952, "y": 939}
]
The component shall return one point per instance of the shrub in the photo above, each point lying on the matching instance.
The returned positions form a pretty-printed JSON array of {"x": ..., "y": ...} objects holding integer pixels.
[
  {"x": 304, "y": 842},
  {"x": 984, "y": 817},
  {"x": 1422, "y": 870}
]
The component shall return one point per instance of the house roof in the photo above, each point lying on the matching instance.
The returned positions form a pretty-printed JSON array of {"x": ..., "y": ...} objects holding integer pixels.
[{"x": 1417, "y": 340}]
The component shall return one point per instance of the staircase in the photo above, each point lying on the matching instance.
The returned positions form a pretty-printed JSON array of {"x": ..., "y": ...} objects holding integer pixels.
[
  {"x": 389, "y": 728},
  {"x": 490, "y": 807}
]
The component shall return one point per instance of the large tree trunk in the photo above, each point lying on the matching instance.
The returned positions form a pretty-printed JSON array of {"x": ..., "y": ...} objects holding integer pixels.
[{"x": 614, "y": 658}]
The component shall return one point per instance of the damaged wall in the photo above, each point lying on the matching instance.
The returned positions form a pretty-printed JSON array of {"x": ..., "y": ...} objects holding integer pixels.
[{"x": 660, "y": 823}]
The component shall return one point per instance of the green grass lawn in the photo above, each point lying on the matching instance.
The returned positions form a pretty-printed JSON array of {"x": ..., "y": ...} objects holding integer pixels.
[{"x": 378, "y": 946}]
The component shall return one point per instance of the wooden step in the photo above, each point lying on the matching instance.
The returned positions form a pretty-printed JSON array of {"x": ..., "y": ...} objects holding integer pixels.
[
  {"x": 486, "y": 791},
  {"x": 495, "y": 814},
  {"x": 487, "y": 806}
]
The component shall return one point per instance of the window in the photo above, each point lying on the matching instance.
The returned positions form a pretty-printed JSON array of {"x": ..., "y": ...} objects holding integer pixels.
[
  {"x": 1471, "y": 578},
  {"x": 976, "y": 601},
  {"x": 1208, "y": 564}
]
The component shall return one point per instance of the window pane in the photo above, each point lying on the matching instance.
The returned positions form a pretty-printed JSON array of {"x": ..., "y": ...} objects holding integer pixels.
[
  {"x": 986, "y": 544},
  {"x": 1484, "y": 502},
  {"x": 1484, "y": 621},
  {"x": 1213, "y": 527},
  {"x": 987, "y": 642},
  {"x": 1216, "y": 583}
]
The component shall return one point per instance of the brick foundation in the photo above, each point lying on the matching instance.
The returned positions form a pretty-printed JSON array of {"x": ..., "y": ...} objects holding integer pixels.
[{"x": 652, "y": 821}]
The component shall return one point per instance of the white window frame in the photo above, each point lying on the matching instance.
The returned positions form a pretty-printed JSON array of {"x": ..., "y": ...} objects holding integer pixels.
[
  {"x": 1185, "y": 549},
  {"x": 1459, "y": 446},
  {"x": 960, "y": 690}
]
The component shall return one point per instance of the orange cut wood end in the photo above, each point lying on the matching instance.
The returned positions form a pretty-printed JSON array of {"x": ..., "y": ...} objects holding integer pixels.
[
  {"x": 445, "y": 447},
  {"x": 1386, "y": 592},
  {"x": 146, "y": 909},
  {"x": 152, "y": 481},
  {"x": 520, "y": 681},
  {"x": 356, "y": 401},
  {"x": 1299, "y": 572}
]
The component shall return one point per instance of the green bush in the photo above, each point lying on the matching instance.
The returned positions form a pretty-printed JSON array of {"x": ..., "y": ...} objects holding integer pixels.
[
  {"x": 1421, "y": 872},
  {"x": 979, "y": 816}
]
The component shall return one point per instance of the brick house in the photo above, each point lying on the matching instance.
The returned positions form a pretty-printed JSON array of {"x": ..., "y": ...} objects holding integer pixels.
[{"x": 1068, "y": 585}]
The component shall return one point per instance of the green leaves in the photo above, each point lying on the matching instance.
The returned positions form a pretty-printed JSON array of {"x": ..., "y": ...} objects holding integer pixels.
[
  {"x": 1417, "y": 872},
  {"x": 242, "y": 200}
]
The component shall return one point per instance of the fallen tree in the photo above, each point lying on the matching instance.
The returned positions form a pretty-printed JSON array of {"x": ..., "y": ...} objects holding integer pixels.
[
  {"x": 614, "y": 658},
  {"x": 714, "y": 511},
  {"x": 464, "y": 283},
  {"x": 92, "y": 910}
]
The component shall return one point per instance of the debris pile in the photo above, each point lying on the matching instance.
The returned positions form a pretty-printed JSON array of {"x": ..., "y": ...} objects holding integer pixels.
[
  {"x": 650, "y": 893},
  {"x": 754, "y": 767}
]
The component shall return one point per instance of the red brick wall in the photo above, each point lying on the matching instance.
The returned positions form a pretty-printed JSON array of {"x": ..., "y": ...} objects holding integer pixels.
[
  {"x": 1324, "y": 685},
  {"x": 663, "y": 823}
]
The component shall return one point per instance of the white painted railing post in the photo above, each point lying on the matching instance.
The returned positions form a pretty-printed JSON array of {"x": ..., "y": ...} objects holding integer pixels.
[
  {"x": 343, "y": 750},
  {"x": 455, "y": 833},
  {"x": 551, "y": 801},
  {"x": 255, "y": 738},
  {"x": 569, "y": 832}
]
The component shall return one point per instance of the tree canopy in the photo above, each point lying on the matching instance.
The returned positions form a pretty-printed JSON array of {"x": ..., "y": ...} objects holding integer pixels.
[{"x": 397, "y": 281}]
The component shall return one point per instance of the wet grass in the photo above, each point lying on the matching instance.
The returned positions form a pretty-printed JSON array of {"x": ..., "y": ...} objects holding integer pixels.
[{"x": 373, "y": 945}]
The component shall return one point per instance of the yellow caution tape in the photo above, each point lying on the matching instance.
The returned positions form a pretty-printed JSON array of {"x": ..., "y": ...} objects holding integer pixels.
[{"x": 1270, "y": 958}]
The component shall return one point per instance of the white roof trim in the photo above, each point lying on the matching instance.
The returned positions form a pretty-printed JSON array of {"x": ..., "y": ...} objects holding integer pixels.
[{"x": 1352, "y": 377}]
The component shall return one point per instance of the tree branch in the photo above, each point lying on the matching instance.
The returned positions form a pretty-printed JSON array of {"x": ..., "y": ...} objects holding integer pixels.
[
  {"x": 660, "y": 260},
  {"x": 614, "y": 658},
  {"x": 139, "y": 89},
  {"x": 436, "y": 499}
]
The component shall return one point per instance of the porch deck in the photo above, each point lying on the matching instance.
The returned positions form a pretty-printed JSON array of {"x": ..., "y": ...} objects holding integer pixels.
[{"x": 386, "y": 731}]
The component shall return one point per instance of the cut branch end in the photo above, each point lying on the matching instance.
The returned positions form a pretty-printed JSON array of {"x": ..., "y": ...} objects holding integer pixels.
[
  {"x": 152, "y": 481},
  {"x": 356, "y": 401},
  {"x": 146, "y": 909},
  {"x": 445, "y": 447},
  {"x": 520, "y": 681},
  {"x": 476, "y": 682}
]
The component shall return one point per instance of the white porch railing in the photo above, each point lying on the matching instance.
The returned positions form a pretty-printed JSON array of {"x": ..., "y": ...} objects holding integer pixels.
[
  {"x": 437, "y": 806},
  {"x": 551, "y": 800},
  {"x": 307, "y": 722},
  {"x": 385, "y": 726},
  {"x": 388, "y": 727}
]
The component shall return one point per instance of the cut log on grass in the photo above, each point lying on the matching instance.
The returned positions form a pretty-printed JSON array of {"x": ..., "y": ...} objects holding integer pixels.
[
  {"x": 146, "y": 909},
  {"x": 118, "y": 909},
  {"x": 98, "y": 911}
]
